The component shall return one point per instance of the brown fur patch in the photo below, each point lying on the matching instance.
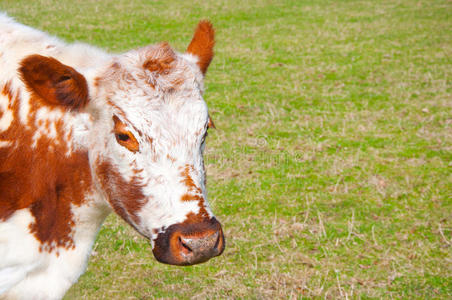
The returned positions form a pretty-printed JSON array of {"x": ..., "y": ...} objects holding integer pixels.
[
  {"x": 53, "y": 82},
  {"x": 202, "y": 44},
  {"x": 6, "y": 90},
  {"x": 42, "y": 179},
  {"x": 126, "y": 198},
  {"x": 188, "y": 181},
  {"x": 161, "y": 59},
  {"x": 194, "y": 193}
]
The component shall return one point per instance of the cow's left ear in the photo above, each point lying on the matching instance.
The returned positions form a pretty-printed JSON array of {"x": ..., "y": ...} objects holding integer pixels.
[
  {"x": 202, "y": 44},
  {"x": 54, "y": 82}
]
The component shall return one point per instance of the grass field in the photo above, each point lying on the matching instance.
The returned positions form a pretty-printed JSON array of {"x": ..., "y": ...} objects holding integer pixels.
[{"x": 331, "y": 165}]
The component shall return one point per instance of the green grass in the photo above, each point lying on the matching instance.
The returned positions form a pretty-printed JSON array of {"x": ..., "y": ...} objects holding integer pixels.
[{"x": 331, "y": 168}]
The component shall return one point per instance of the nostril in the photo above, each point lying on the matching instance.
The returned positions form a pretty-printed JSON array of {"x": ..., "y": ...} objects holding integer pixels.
[
  {"x": 184, "y": 247},
  {"x": 217, "y": 242}
]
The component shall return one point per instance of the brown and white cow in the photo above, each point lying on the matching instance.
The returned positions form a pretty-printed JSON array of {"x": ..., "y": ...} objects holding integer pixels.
[{"x": 84, "y": 133}]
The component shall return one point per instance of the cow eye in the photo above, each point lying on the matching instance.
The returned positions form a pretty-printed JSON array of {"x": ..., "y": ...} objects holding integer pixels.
[
  {"x": 128, "y": 141},
  {"x": 122, "y": 137}
]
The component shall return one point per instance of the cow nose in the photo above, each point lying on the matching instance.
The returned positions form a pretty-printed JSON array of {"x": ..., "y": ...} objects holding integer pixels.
[
  {"x": 189, "y": 244},
  {"x": 195, "y": 249}
]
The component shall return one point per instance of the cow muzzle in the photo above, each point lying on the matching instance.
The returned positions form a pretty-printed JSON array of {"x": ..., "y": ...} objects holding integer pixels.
[{"x": 188, "y": 244}]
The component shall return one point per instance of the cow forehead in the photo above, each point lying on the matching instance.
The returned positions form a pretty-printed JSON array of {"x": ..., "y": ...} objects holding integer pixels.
[
  {"x": 155, "y": 87},
  {"x": 152, "y": 71},
  {"x": 173, "y": 114}
]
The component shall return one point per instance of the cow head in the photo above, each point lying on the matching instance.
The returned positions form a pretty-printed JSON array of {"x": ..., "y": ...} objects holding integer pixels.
[{"x": 146, "y": 128}]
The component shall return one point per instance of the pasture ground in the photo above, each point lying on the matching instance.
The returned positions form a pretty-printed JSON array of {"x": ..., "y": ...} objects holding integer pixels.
[{"x": 331, "y": 168}]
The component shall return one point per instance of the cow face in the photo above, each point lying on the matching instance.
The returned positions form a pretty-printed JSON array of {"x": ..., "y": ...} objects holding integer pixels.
[
  {"x": 147, "y": 147},
  {"x": 145, "y": 137}
]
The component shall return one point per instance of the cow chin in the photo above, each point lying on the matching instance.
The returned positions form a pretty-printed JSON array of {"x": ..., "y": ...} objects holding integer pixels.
[{"x": 189, "y": 244}]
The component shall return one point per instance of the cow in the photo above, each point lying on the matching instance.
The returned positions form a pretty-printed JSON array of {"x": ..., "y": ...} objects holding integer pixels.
[{"x": 84, "y": 133}]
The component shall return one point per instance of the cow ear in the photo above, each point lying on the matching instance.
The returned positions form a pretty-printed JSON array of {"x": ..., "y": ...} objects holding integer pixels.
[
  {"x": 202, "y": 44},
  {"x": 54, "y": 82}
]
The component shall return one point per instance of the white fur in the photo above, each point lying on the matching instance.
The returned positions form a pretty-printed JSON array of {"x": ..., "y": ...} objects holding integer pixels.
[
  {"x": 26, "y": 273},
  {"x": 175, "y": 121}
]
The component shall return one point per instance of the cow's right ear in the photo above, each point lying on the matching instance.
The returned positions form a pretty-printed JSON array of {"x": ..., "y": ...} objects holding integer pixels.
[{"x": 54, "y": 82}]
